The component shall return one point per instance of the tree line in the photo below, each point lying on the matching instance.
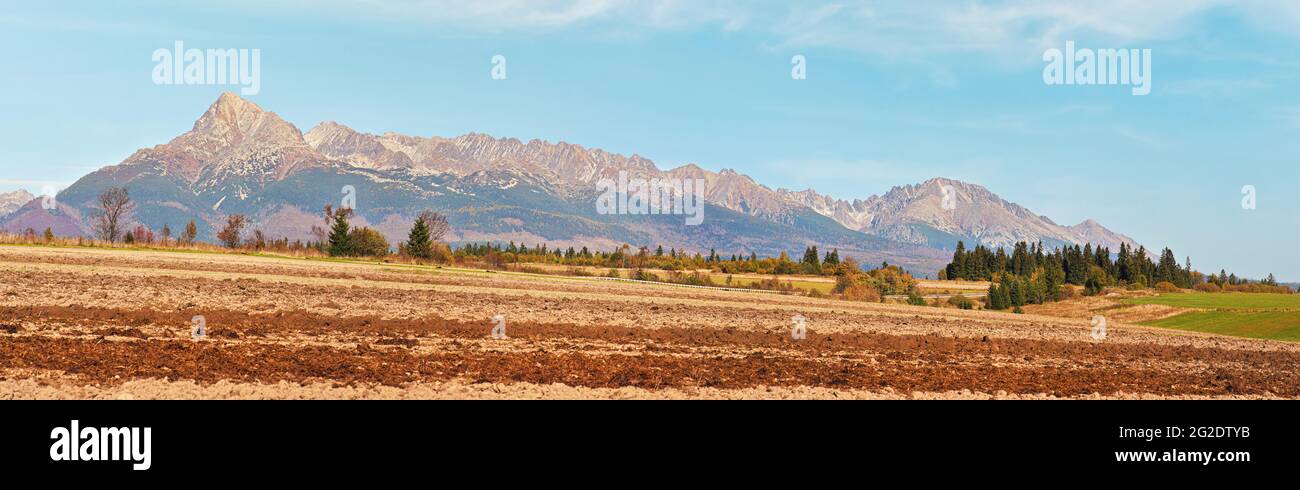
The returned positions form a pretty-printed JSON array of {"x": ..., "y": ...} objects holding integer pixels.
[
  {"x": 335, "y": 236},
  {"x": 1030, "y": 274}
]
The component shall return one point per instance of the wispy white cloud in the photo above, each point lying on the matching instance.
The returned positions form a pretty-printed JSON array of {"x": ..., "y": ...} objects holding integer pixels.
[
  {"x": 73, "y": 22},
  {"x": 1015, "y": 30},
  {"x": 502, "y": 15},
  {"x": 1020, "y": 29}
]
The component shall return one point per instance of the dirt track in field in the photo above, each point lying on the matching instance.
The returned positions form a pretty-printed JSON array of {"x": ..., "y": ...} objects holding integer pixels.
[{"x": 83, "y": 323}]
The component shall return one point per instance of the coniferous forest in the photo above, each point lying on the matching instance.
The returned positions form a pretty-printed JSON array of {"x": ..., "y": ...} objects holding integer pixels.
[{"x": 1032, "y": 275}]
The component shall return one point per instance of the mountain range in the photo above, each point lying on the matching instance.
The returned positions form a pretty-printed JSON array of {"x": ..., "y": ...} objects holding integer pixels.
[
  {"x": 241, "y": 159},
  {"x": 11, "y": 201}
]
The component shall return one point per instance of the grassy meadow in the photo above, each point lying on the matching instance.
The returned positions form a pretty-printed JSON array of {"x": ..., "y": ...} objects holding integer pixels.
[{"x": 1254, "y": 315}]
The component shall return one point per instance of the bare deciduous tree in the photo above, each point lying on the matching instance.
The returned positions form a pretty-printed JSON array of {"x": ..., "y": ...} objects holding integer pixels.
[
  {"x": 258, "y": 241},
  {"x": 114, "y": 204},
  {"x": 437, "y": 223},
  {"x": 230, "y": 235},
  {"x": 190, "y": 234}
]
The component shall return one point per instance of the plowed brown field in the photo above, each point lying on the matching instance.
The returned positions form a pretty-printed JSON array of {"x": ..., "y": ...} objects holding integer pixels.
[{"x": 92, "y": 323}]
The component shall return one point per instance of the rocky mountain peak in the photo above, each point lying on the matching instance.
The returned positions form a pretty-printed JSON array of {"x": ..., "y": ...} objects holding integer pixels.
[
  {"x": 11, "y": 201},
  {"x": 918, "y": 214},
  {"x": 230, "y": 112},
  {"x": 233, "y": 140},
  {"x": 1090, "y": 231},
  {"x": 363, "y": 150},
  {"x": 232, "y": 119}
]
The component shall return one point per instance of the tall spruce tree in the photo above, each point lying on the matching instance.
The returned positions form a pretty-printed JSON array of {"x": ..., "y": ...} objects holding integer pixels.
[
  {"x": 418, "y": 244},
  {"x": 340, "y": 242}
]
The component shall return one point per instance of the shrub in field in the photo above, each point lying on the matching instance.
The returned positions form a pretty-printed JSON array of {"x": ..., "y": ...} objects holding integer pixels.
[
  {"x": 915, "y": 299},
  {"x": 773, "y": 284},
  {"x": 367, "y": 243},
  {"x": 495, "y": 260},
  {"x": 1208, "y": 287},
  {"x": 854, "y": 284},
  {"x": 692, "y": 279},
  {"x": 643, "y": 275},
  {"x": 1092, "y": 287},
  {"x": 1068, "y": 292},
  {"x": 855, "y": 291},
  {"x": 441, "y": 253},
  {"x": 1255, "y": 288},
  {"x": 1166, "y": 287},
  {"x": 961, "y": 302},
  {"x": 143, "y": 235}
]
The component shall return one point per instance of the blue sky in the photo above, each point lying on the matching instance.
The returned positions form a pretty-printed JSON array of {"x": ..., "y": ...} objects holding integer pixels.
[{"x": 897, "y": 92}]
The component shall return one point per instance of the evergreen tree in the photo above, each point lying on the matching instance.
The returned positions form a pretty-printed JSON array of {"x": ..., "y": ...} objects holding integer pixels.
[
  {"x": 1092, "y": 286},
  {"x": 995, "y": 298},
  {"x": 1167, "y": 270},
  {"x": 1122, "y": 263},
  {"x": 811, "y": 264},
  {"x": 833, "y": 258},
  {"x": 340, "y": 243},
  {"x": 956, "y": 268},
  {"x": 417, "y": 241}
]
